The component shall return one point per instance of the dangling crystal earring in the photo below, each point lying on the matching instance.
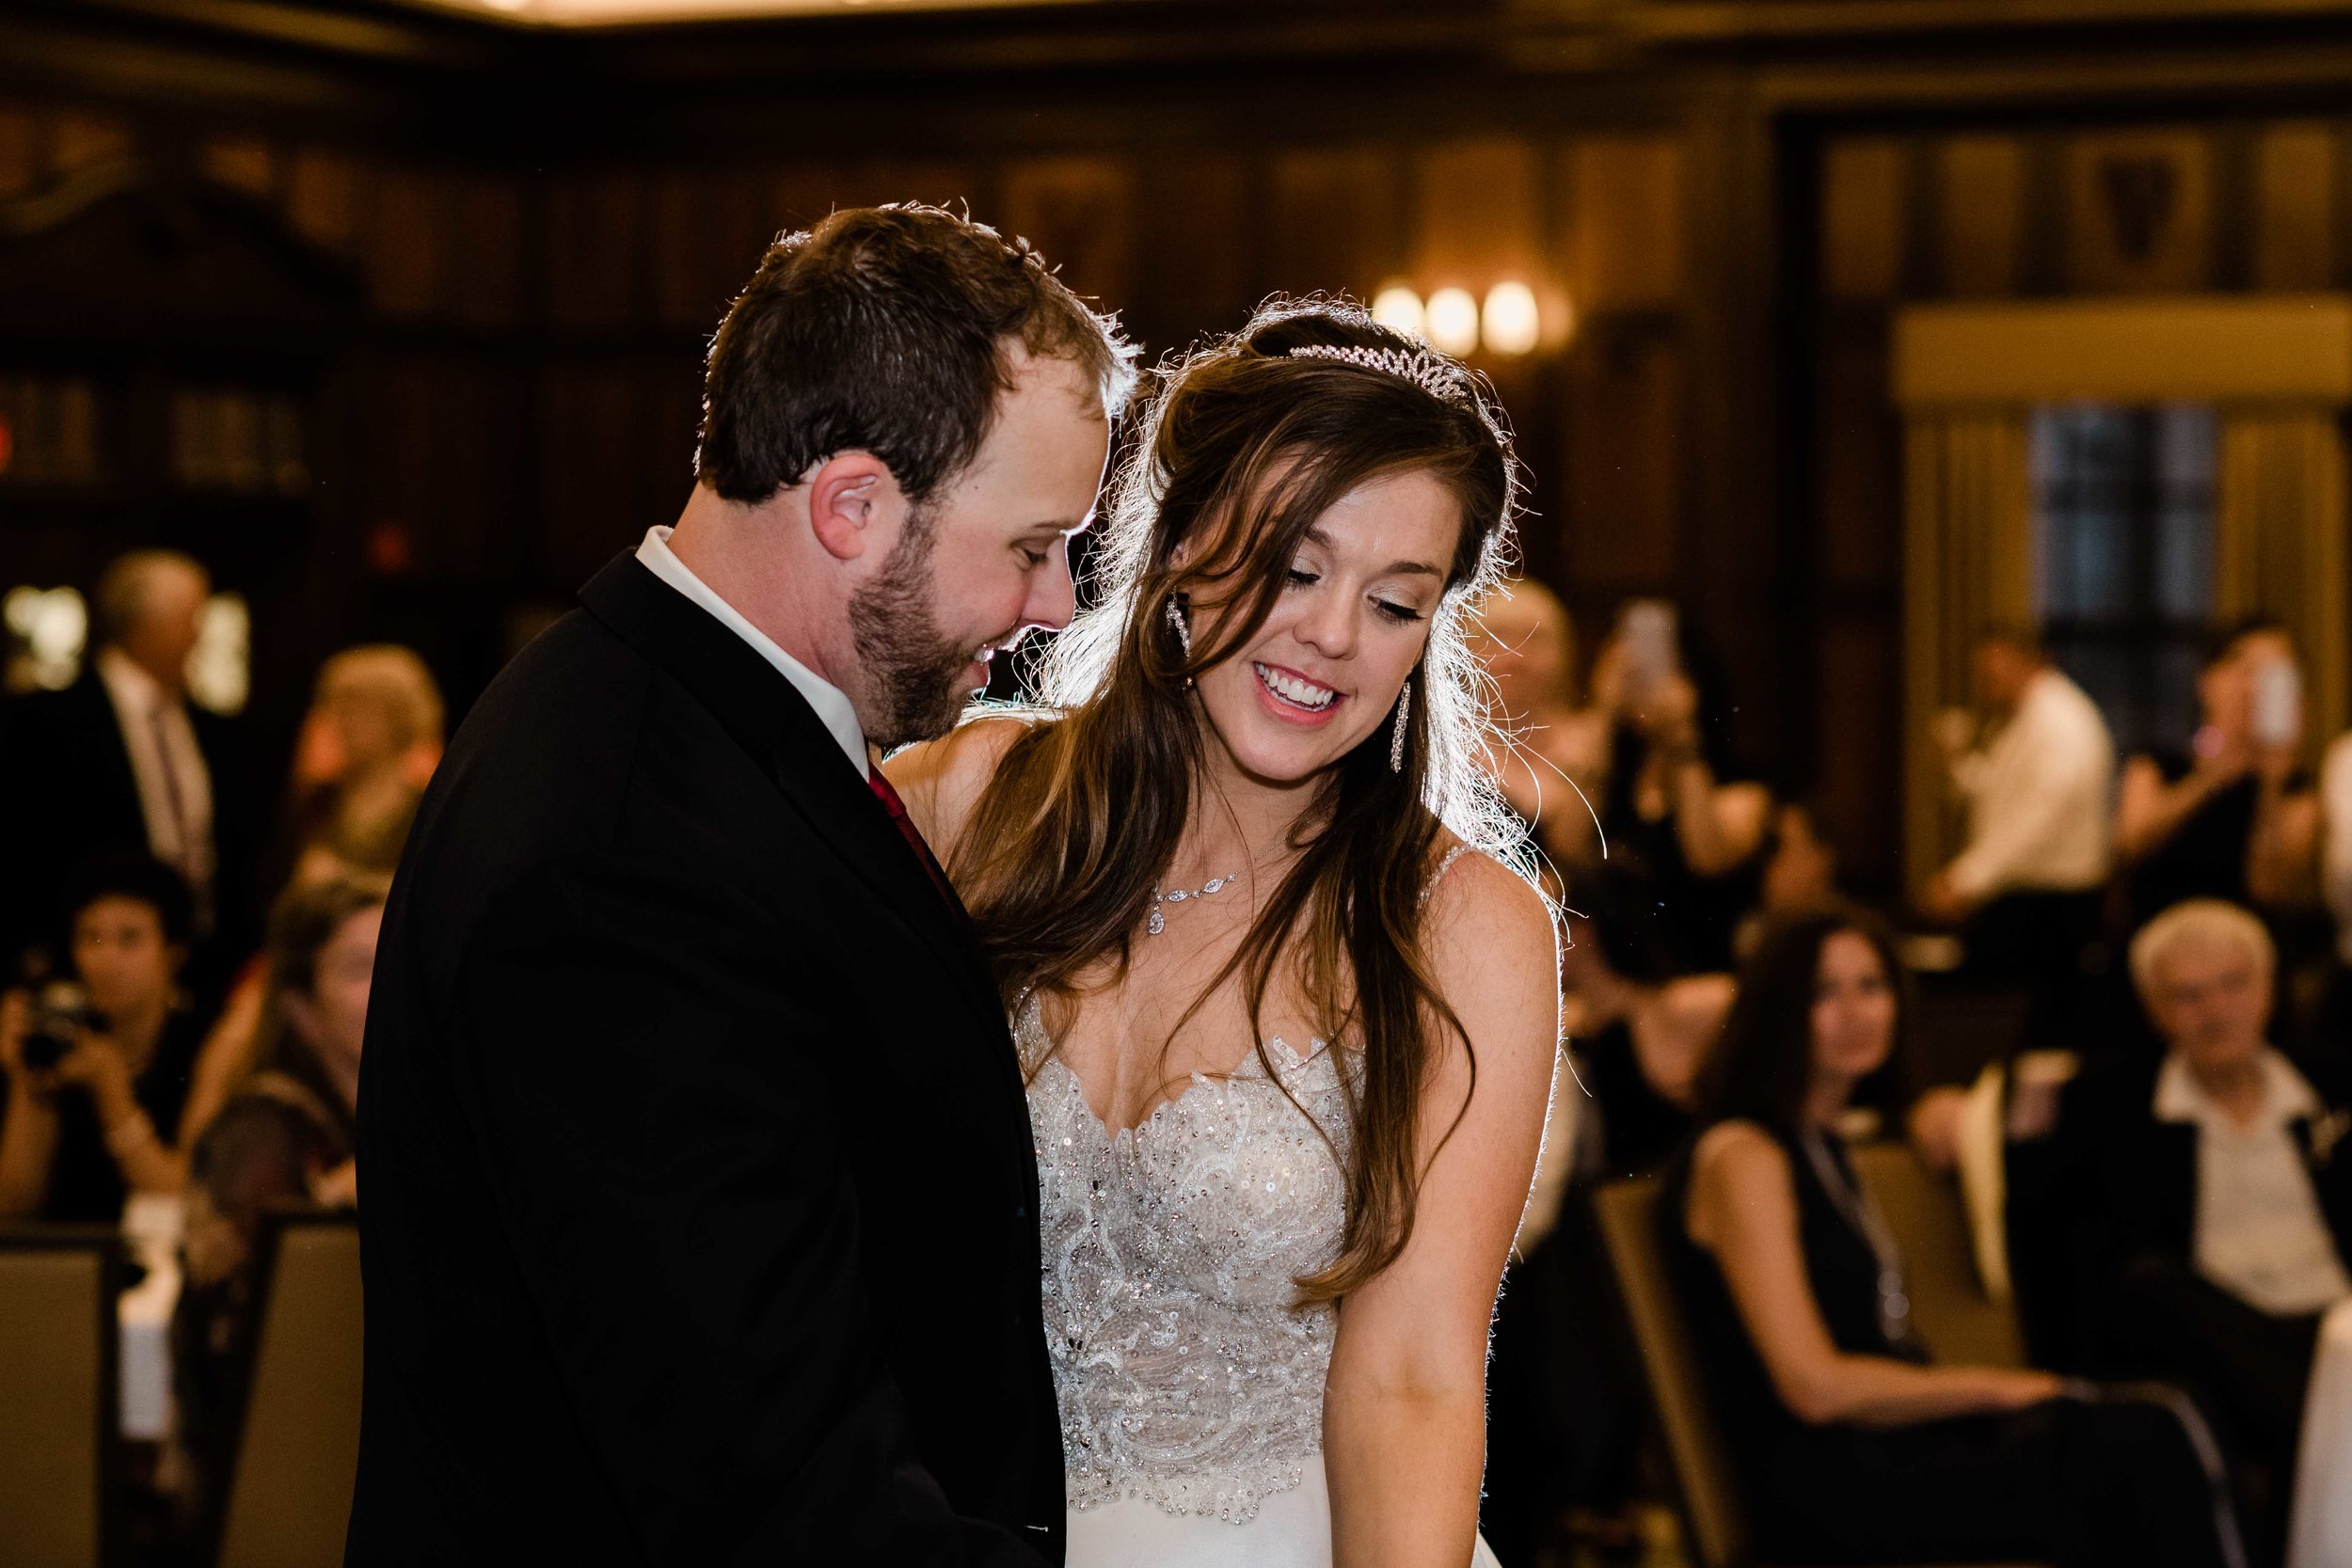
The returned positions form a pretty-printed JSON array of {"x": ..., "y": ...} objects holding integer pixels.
[
  {"x": 1396, "y": 734},
  {"x": 1176, "y": 619},
  {"x": 1183, "y": 633}
]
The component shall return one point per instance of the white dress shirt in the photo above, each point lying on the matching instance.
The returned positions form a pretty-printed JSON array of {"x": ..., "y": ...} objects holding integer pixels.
[
  {"x": 2335, "y": 849},
  {"x": 2038, "y": 798},
  {"x": 175, "y": 786},
  {"x": 2260, "y": 1234},
  {"x": 832, "y": 704}
]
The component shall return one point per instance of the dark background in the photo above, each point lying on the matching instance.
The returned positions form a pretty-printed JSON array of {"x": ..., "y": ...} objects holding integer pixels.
[{"x": 483, "y": 260}]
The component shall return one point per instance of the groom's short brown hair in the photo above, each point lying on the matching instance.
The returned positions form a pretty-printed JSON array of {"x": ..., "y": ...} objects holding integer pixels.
[{"x": 883, "y": 329}]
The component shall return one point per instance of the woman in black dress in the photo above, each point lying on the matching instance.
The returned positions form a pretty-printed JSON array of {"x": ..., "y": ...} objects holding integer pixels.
[{"x": 1854, "y": 1445}]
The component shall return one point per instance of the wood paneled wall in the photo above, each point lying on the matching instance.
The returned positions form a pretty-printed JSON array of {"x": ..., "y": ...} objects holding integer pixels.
[
  {"x": 2225, "y": 203},
  {"x": 524, "y": 400}
]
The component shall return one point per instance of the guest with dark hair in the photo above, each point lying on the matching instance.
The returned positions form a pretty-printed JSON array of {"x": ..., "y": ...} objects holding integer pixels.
[
  {"x": 1854, "y": 1445},
  {"x": 96, "y": 1084},
  {"x": 2234, "y": 817},
  {"x": 1693, "y": 848},
  {"x": 283, "y": 1140}
]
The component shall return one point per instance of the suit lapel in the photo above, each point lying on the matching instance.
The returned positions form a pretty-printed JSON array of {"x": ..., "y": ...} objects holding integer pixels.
[{"x": 768, "y": 717}]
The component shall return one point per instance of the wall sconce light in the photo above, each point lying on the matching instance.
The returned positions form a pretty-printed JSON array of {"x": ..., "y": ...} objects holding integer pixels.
[
  {"x": 1398, "y": 309},
  {"x": 1453, "y": 321},
  {"x": 1511, "y": 324}
]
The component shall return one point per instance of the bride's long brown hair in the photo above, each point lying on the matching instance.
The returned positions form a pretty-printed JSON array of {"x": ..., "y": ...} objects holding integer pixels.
[{"x": 1240, "y": 449}]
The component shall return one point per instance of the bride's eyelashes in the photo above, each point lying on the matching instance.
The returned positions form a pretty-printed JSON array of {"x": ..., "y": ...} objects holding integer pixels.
[{"x": 1401, "y": 615}]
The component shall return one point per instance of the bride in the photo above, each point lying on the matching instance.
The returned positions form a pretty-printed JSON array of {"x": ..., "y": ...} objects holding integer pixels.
[{"x": 1288, "y": 1021}]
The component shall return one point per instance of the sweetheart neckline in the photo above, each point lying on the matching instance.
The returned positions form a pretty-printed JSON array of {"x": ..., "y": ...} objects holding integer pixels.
[{"x": 1200, "y": 1080}]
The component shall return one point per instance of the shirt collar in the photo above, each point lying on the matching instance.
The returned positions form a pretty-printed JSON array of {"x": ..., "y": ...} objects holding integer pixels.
[
  {"x": 2288, "y": 1095},
  {"x": 130, "y": 686},
  {"x": 832, "y": 704}
]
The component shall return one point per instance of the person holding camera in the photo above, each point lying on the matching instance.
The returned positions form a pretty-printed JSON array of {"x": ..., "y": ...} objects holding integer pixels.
[
  {"x": 2236, "y": 819},
  {"x": 1686, "y": 851},
  {"x": 96, "y": 1063}
]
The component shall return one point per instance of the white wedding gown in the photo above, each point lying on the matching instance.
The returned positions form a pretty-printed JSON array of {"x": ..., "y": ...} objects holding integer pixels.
[{"x": 1191, "y": 1392}]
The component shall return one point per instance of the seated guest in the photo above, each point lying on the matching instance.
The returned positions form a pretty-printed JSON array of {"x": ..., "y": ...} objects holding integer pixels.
[
  {"x": 284, "y": 1138},
  {"x": 368, "y": 748},
  {"x": 1564, "y": 1418},
  {"x": 93, "y": 1106},
  {"x": 2214, "y": 1207},
  {"x": 1856, "y": 1446}
]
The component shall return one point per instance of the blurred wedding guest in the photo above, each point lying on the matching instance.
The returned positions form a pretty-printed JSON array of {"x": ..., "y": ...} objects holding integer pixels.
[
  {"x": 1528, "y": 644},
  {"x": 2233, "y": 818},
  {"x": 283, "y": 1138},
  {"x": 2036, "y": 781},
  {"x": 123, "y": 759},
  {"x": 368, "y": 746},
  {"x": 1688, "y": 849},
  {"x": 2333, "y": 1033},
  {"x": 1564, "y": 1417},
  {"x": 2212, "y": 1202},
  {"x": 1853, "y": 1444},
  {"x": 96, "y": 1082}
]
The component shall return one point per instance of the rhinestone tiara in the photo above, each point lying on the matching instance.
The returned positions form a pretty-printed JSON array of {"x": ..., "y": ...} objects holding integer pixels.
[{"x": 1432, "y": 372}]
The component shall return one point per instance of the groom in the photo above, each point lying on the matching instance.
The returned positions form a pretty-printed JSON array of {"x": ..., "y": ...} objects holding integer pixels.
[{"x": 701, "y": 1219}]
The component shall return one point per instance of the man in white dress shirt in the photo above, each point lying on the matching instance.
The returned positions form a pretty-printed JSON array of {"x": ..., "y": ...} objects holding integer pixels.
[
  {"x": 2212, "y": 1196},
  {"x": 123, "y": 759},
  {"x": 2038, "y": 784}
]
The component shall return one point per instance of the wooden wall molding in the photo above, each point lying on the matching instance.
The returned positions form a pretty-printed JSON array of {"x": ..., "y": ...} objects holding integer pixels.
[{"x": 2206, "y": 348}]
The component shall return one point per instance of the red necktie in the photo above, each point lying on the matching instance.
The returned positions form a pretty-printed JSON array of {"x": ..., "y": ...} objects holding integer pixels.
[{"x": 907, "y": 830}]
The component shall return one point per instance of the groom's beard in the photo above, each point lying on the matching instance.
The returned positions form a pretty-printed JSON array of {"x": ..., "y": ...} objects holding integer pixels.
[{"x": 915, "y": 670}]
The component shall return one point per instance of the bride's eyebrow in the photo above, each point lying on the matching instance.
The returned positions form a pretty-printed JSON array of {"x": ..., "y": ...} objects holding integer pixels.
[{"x": 1393, "y": 569}]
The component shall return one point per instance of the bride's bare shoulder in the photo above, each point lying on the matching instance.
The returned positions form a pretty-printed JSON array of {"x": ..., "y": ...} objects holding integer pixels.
[
  {"x": 943, "y": 779},
  {"x": 1490, "y": 934}
]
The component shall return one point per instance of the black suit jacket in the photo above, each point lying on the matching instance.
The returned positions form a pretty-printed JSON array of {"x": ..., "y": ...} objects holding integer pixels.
[
  {"x": 2125, "y": 1184},
  {"x": 700, "y": 1223},
  {"x": 67, "y": 792}
]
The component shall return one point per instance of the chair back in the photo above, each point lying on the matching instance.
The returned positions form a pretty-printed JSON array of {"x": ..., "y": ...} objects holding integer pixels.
[
  {"x": 297, "y": 1449},
  {"x": 1713, "y": 1519},
  {"x": 1961, "y": 1322},
  {"x": 58, "y": 1344}
]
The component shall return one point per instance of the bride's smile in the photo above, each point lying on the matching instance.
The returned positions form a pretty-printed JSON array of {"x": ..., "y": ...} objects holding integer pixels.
[{"x": 1327, "y": 668}]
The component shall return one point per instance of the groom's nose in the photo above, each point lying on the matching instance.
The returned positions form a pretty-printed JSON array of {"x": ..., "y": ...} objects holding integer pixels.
[{"x": 1052, "y": 597}]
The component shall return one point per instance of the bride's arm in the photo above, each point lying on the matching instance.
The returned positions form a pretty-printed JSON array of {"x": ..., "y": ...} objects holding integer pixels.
[
  {"x": 941, "y": 781},
  {"x": 1404, "y": 1414}
]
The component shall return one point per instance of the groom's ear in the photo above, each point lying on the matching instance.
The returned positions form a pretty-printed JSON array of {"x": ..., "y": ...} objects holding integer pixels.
[{"x": 851, "y": 498}]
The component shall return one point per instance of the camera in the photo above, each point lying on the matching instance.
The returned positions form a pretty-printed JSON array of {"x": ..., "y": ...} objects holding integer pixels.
[{"x": 61, "y": 1012}]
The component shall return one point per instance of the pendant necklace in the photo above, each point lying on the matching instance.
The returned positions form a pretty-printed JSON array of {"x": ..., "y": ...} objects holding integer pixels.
[{"x": 1158, "y": 923}]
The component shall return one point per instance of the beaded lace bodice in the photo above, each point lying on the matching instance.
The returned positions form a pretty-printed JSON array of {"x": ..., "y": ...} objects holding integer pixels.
[{"x": 1185, "y": 1376}]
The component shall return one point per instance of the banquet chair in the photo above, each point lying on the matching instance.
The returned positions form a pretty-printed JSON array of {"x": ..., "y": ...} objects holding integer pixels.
[
  {"x": 1714, "y": 1517},
  {"x": 1954, "y": 1314},
  {"x": 59, "y": 1455},
  {"x": 297, "y": 1445}
]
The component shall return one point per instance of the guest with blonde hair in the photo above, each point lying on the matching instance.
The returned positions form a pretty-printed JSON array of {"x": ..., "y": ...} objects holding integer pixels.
[
  {"x": 371, "y": 741},
  {"x": 1555, "y": 749}
]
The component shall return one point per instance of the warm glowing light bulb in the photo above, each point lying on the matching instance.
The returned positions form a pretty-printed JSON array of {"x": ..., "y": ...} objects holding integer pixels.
[
  {"x": 1398, "y": 309},
  {"x": 1453, "y": 321},
  {"x": 1511, "y": 324}
]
